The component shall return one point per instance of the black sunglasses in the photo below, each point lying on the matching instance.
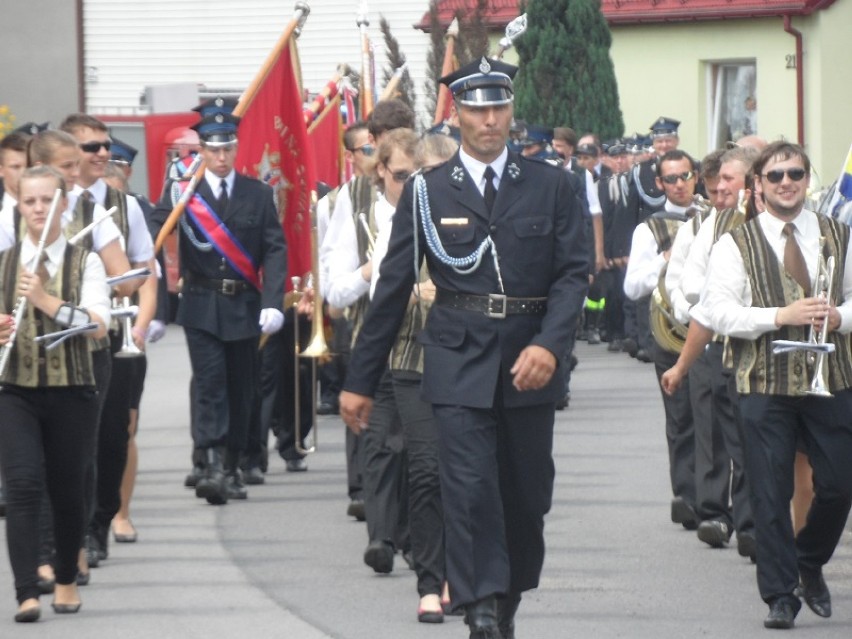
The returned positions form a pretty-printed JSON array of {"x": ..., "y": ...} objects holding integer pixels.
[
  {"x": 366, "y": 149},
  {"x": 672, "y": 179},
  {"x": 94, "y": 147},
  {"x": 776, "y": 175},
  {"x": 401, "y": 176}
]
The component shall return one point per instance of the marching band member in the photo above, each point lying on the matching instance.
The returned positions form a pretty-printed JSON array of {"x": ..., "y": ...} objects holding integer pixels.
[
  {"x": 503, "y": 239},
  {"x": 781, "y": 275},
  {"x": 47, "y": 399}
]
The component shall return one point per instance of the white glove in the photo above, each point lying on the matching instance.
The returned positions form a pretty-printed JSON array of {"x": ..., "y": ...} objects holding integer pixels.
[
  {"x": 156, "y": 330},
  {"x": 271, "y": 320}
]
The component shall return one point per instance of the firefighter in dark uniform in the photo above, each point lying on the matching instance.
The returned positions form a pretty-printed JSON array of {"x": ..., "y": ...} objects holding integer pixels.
[
  {"x": 225, "y": 304},
  {"x": 504, "y": 242}
]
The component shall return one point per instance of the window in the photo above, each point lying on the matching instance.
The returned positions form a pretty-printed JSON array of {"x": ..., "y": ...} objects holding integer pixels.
[{"x": 732, "y": 108}]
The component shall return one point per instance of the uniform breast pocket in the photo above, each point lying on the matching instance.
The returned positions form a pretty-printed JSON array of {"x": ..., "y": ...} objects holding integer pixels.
[
  {"x": 455, "y": 235},
  {"x": 448, "y": 336},
  {"x": 533, "y": 235}
]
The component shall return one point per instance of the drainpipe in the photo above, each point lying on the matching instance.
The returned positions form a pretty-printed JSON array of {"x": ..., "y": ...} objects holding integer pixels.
[
  {"x": 800, "y": 79},
  {"x": 81, "y": 59}
]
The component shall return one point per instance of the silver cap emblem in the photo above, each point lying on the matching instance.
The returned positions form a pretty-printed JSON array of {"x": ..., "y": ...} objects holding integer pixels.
[{"x": 484, "y": 67}]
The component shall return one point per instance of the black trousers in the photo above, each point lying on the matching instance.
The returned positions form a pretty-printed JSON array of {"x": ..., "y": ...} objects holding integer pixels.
[
  {"x": 384, "y": 467},
  {"x": 47, "y": 437},
  {"x": 497, "y": 474},
  {"x": 225, "y": 378},
  {"x": 772, "y": 424},
  {"x": 128, "y": 377},
  {"x": 425, "y": 513},
  {"x": 614, "y": 310},
  {"x": 680, "y": 431}
]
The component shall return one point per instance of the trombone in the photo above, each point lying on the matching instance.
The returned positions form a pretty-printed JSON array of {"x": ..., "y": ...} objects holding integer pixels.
[{"x": 317, "y": 348}]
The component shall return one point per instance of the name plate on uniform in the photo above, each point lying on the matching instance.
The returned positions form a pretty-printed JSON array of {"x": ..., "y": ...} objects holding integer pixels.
[{"x": 454, "y": 221}]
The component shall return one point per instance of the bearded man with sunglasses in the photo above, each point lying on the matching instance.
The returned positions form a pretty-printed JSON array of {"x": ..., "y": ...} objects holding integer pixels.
[
  {"x": 650, "y": 251},
  {"x": 760, "y": 289}
]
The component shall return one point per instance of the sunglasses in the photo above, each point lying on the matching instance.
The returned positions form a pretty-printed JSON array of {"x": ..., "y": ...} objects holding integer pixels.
[
  {"x": 775, "y": 176},
  {"x": 94, "y": 147},
  {"x": 672, "y": 179},
  {"x": 366, "y": 149},
  {"x": 401, "y": 176}
]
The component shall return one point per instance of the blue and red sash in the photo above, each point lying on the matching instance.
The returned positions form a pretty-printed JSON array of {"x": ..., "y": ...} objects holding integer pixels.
[{"x": 221, "y": 238}]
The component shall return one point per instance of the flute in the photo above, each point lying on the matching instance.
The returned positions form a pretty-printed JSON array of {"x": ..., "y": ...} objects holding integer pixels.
[
  {"x": 21, "y": 305},
  {"x": 84, "y": 232}
]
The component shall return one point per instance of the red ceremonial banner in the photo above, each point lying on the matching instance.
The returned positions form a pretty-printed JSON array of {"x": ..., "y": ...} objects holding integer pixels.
[
  {"x": 274, "y": 148},
  {"x": 326, "y": 136}
]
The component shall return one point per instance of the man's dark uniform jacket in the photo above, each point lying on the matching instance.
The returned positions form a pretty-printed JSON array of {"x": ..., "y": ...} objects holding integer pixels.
[{"x": 537, "y": 227}]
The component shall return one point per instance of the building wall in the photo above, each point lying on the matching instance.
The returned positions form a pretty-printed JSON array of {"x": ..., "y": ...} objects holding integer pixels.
[
  {"x": 38, "y": 77},
  {"x": 221, "y": 44},
  {"x": 670, "y": 78}
]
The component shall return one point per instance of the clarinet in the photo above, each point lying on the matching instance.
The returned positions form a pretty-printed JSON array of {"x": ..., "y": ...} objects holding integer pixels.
[{"x": 21, "y": 304}]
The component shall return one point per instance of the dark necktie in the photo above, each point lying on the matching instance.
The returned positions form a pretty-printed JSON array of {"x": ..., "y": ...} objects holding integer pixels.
[
  {"x": 41, "y": 270},
  {"x": 87, "y": 195},
  {"x": 223, "y": 197},
  {"x": 490, "y": 193},
  {"x": 794, "y": 262}
]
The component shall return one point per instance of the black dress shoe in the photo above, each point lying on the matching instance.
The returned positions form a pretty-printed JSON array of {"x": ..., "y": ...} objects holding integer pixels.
[
  {"x": 644, "y": 356},
  {"x": 191, "y": 480},
  {"x": 715, "y": 534},
  {"x": 29, "y": 615},
  {"x": 46, "y": 586},
  {"x": 379, "y": 556},
  {"x": 506, "y": 608},
  {"x": 213, "y": 485},
  {"x": 615, "y": 346},
  {"x": 629, "y": 346},
  {"x": 65, "y": 609},
  {"x": 481, "y": 619},
  {"x": 298, "y": 465},
  {"x": 782, "y": 613},
  {"x": 234, "y": 485},
  {"x": 254, "y": 476},
  {"x": 327, "y": 408},
  {"x": 83, "y": 578},
  {"x": 684, "y": 514},
  {"x": 814, "y": 591},
  {"x": 747, "y": 545},
  {"x": 356, "y": 509}
]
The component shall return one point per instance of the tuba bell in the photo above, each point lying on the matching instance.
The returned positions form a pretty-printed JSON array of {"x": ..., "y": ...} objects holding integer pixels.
[{"x": 668, "y": 332}]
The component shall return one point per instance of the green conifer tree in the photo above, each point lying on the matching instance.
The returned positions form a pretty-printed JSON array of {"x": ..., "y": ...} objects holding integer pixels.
[{"x": 566, "y": 76}]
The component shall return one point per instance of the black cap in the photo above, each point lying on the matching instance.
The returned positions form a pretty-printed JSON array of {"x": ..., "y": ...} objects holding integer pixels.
[
  {"x": 615, "y": 147},
  {"x": 216, "y": 105},
  {"x": 217, "y": 130},
  {"x": 483, "y": 82},
  {"x": 444, "y": 128},
  {"x": 31, "y": 128},
  {"x": 664, "y": 126},
  {"x": 537, "y": 134},
  {"x": 587, "y": 149},
  {"x": 121, "y": 152}
]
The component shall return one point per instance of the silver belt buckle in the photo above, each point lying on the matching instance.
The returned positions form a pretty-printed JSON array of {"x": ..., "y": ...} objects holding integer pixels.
[
  {"x": 229, "y": 287},
  {"x": 496, "y": 306}
]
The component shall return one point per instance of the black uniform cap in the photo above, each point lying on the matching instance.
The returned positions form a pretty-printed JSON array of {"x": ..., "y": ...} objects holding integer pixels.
[{"x": 483, "y": 82}]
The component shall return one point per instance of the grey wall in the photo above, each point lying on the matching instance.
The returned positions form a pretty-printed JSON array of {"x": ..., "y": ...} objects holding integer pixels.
[{"x": 38, "y": 72}]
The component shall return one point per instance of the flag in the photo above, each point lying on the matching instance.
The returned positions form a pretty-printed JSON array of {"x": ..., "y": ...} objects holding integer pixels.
[
  {"x": 274, "y": 148},
  {"x": 326, "y": 137},
  {"x": 351, "y": 118}
]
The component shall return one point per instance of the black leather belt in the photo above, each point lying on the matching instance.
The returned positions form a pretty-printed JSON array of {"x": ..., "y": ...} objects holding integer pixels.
[
  {"x": 493, "y": 305},
  {"x": 225, "y": 287}
]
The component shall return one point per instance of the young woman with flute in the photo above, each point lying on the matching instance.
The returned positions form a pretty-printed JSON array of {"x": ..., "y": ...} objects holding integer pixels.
[{"x": 47, "y": 397}]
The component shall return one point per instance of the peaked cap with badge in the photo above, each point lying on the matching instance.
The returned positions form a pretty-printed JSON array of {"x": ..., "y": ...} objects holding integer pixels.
[
  {"x": 483, "y": 82},
  {"x": 217, "y": 130},
  {"x": 664, "y": 126}
]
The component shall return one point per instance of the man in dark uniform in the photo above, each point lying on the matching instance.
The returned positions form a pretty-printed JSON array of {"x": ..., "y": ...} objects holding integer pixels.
[
  {"x": 225, "y": 304},
  {"x": 503, "y": 239}
]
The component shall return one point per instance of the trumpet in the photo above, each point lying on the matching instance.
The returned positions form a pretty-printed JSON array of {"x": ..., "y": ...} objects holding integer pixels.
[
  {"x": 21, "y": 304},
  {"x": 823, "y": 281},
  {"x": 125, "y": 312}
]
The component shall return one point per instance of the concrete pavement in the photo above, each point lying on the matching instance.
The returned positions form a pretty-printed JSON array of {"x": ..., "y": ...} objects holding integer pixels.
[{"x": 288, "y": 562}]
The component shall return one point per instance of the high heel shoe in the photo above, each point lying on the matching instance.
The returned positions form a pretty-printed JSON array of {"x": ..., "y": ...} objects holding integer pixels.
[{"x": 65, "y": 609}]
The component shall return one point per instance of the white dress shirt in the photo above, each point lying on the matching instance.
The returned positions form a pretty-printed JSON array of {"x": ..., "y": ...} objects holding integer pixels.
[
  {"x": 476, "y": 169},
  {"x": 215, "y": 183},
  {"x": 7, "y": 221},
  {"x": 94, "y": 292},
  {"x": 140, "y": 246},
  {"x": 382, "y": 238},
  {"x": 646, "y": 261},
  {"x": 727, "y": 298},
  {"x": 675, "y": 274}
]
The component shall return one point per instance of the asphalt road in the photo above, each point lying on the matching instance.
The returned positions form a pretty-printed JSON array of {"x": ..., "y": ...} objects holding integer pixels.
[{"x": 288, "y": 562}]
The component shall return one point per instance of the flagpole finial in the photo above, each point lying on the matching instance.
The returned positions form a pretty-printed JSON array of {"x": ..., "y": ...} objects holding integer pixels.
[
  {"x": 453, "y": 29},
  {"x": 300, "y": 14},
  {"x": 362, "y": 20},
  {"x": 513, "y": 31}
]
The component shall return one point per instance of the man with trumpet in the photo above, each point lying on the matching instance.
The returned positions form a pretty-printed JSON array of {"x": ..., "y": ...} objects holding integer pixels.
[{"x": 771, "y": 279}]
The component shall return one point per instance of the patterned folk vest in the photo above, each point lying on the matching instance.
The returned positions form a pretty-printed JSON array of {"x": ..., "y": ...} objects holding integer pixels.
[
  {"x": 407, "y": 353},
  {"x": 362, "y": 193},
  {"x": 664, "y": 231},
  {"x": 30, "y": 365},
  {"x": 726, "y": 220},
  {"x": 757, "y": 369}
]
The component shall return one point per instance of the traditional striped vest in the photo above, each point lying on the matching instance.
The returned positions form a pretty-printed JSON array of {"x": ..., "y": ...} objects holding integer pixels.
[
  {"x": 407, "y": 353},
  {"x": 30, "y": 365},
  {"x": 726, "y": 220},
  {"x": 664, "y": 230},
  {"x": 757, "y": 369},
  {"x": 362, "y": 193}
]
